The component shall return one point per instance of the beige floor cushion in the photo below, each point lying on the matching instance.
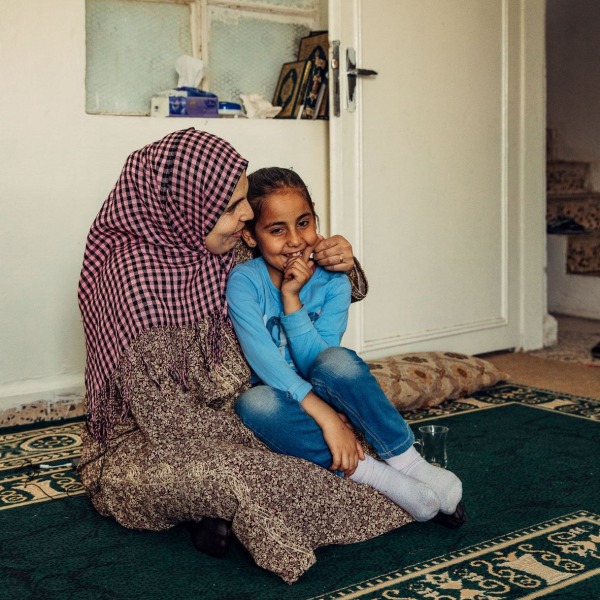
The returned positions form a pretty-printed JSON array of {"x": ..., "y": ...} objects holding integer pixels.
[{"x": 424, "y": 379}]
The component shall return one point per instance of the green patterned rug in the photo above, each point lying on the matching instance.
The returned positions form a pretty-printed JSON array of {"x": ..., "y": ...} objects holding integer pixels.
[{"x": 528, "y": 459}]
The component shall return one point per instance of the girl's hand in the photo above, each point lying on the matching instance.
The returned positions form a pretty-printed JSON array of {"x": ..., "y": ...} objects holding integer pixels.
[
  {"x": 334, "y": 253},
  {"x": 340, "y": 440},
  {"x": 346, "y": 421},
  {"x": 343, "y": 446},
  {"x": 298, "y": 271}
]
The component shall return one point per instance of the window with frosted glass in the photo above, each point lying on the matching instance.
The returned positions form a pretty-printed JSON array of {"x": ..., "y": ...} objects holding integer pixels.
[
  {"x": 246, "y": 52},
  {"x": 132, "y": 47}
]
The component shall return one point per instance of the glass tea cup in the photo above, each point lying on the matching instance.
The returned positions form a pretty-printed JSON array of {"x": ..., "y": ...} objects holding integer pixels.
[{"x": 431, "y": 444}]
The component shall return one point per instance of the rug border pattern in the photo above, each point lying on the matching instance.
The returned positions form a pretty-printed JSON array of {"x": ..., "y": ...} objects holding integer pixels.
[
  {"x": 381, "y": 582},
  {"x": 23, "y": 481},
  {"x": 504, "y": 394}
]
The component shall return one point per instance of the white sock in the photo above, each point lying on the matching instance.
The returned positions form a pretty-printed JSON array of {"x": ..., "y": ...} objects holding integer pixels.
[
  {"x": 444, "y": 483},
  {"x": 418, "y": 499}
]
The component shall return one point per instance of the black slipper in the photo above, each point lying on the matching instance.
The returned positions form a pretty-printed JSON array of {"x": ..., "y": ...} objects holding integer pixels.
[
  {"x": 212, "y": 536},
  {"x": 564, "y": 225},
  {"x": 456, "y": 519},
  {"x": 596, "y": 350}
]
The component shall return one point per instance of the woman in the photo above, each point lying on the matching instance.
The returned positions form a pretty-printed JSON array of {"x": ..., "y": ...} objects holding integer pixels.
[{"x": 162, "y": 444}]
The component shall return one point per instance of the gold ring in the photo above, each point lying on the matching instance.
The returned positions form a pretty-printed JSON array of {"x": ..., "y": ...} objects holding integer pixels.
[{"x": 341, "y": 258}]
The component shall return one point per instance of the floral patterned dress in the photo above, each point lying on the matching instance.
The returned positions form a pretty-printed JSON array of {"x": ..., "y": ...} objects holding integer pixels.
[{"x": 183, "y": 454}]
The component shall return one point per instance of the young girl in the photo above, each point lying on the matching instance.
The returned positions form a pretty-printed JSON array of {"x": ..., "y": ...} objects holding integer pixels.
[{"x": 289, "y": 316}]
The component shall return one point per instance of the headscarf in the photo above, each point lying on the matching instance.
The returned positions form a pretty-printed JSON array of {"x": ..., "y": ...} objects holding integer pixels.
[{"x": 146, "y": 264}]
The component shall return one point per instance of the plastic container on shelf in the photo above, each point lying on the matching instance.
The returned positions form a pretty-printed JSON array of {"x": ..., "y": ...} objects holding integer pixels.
[{"x": 230, "y": 110}]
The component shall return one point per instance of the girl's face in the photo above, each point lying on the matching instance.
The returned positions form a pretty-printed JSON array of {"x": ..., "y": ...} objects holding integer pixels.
[
  {"x": 228, "y": 229},
  {"x": 285, "y": 228}
]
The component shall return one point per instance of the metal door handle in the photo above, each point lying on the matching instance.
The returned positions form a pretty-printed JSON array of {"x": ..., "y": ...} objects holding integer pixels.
[
  {"x": 361, "y": 72},
  {"x": 353, "y": 72}
]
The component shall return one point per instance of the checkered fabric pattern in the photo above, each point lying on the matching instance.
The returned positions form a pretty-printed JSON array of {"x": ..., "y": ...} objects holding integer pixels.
[{"x": 145, "y": 263}]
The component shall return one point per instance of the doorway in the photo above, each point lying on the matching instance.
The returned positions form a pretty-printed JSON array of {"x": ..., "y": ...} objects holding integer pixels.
[{"x": 573, "y": 162}]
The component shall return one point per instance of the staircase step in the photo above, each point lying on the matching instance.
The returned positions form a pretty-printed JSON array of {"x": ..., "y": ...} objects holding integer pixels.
[
  {"x": 583, "y": 253},
  {"x": 583, "y": 207},
  {"x": 591, "y": 274},
  {"x": 565, "y": 176}
]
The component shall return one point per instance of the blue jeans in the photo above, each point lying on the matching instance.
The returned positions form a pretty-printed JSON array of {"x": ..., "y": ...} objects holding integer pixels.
[{"x": 343, "y": 380}]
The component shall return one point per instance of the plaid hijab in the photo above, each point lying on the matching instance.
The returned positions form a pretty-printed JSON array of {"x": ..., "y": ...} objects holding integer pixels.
[{"x": 146, "y": 264}]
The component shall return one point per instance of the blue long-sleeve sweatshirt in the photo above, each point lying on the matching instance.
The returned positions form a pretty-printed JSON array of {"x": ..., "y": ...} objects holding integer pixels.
[{"x": 280, "y": 348}]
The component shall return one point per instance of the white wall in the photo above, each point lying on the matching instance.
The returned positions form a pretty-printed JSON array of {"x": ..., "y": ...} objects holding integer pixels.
[
  {"x": 57, "y": 165},
  {"x": 573, "y": 68},
  {"x": 570, "y": 294}
]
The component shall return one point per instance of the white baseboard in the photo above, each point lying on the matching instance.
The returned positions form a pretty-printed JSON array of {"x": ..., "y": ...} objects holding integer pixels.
[
  {"x": 550, "y": 330},
  {"x": 48, "y": 390},
  {"x": 570, "y": 294}
]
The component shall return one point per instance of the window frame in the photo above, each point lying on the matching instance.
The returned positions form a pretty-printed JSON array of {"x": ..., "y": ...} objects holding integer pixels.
[{"x": 200, "y": 20}]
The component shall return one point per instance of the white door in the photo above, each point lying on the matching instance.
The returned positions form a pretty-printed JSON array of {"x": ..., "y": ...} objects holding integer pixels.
[{"x": 437, "y": 176}]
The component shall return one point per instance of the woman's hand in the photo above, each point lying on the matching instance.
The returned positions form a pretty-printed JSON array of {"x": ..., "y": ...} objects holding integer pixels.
[{"x": 334, "y": 253}]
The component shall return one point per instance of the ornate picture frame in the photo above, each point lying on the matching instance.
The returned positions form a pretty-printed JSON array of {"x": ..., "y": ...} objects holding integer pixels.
[
  {"x": 291, "y": 88},
  {"x": 315, "y": 48},
  {"x": 308, "y": 44}
]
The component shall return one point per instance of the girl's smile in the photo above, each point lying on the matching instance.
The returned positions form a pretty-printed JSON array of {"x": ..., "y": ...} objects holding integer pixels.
[{"x": 284, "y": 231}]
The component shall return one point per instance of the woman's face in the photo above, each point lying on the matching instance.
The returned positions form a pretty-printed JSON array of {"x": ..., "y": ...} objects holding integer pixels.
[{"x": 228, "y": 229}]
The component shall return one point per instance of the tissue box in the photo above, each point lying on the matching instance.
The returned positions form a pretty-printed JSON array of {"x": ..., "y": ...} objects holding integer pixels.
[
  {"x": 184, "y": 106},
  {"x": 169, "y": 104},
  {"x": 202, "y": 106}
]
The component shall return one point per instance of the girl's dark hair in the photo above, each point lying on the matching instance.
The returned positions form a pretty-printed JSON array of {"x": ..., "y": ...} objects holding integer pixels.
[{"x": 270, "y": 180}]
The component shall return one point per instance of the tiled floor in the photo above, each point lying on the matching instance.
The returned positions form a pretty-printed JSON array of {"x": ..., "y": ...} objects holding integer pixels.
[{"x": 576, "y": 338}]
